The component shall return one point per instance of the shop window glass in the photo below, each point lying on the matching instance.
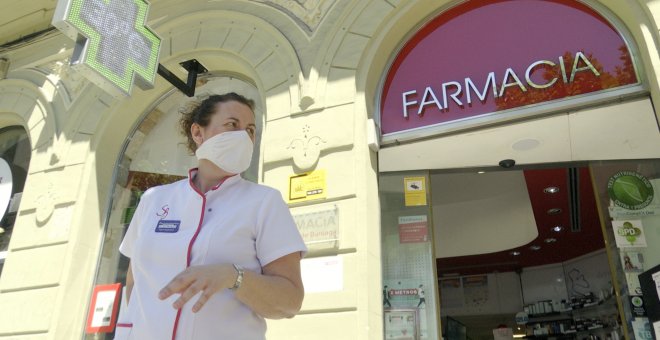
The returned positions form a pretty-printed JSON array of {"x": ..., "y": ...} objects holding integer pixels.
[
  {"x": 409, "y": 284},
  {"x": 156, "y": 154},
  {"x": 14, "y": 161},
  {"x": 497, "y": 254},
  {"x": 629, "y": 201}
]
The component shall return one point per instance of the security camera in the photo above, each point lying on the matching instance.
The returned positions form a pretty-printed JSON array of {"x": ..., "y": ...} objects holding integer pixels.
[{"x": 507, "y": 163}]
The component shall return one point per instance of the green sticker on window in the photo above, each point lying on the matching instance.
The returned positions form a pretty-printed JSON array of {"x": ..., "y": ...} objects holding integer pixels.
[{"x": 630, "y": 190}]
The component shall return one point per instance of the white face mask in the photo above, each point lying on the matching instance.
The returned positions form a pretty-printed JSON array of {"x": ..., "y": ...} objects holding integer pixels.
[{"x": 231, "y": 151}]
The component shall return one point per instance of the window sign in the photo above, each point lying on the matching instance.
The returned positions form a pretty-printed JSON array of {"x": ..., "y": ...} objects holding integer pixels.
[
  {"x": 114, "y": 47},
  {"x": 401, "y": 324},
  {"x": 102, "y": 315},
  {"x": 629, "y": 234},
  {"x": 485, "y": 61},
  {"x": 414, "y": 191},
  {"x": 630, "y": 190}
]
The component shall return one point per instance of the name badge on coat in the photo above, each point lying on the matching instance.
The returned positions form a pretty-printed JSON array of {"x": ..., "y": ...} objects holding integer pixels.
[{"x": 167, "y": 226}]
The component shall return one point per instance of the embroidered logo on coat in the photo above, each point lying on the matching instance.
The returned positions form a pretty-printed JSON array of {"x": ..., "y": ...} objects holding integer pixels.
[{"x": 165, "y": 210}]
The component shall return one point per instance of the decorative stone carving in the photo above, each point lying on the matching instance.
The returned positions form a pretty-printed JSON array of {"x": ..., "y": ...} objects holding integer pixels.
[
  {"x": 306, "y": 13},
  {"x": 306, "y": 150},
  {"x": 45, "y": 204}
]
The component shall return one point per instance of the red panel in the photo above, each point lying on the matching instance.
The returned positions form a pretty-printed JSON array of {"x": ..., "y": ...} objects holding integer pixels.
[{"x": 108, "y": 322}]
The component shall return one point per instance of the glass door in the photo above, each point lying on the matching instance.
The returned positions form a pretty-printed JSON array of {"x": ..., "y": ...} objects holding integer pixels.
[
  {"x": 629, "y": 204},
  {"x": 410, "y": 306}
]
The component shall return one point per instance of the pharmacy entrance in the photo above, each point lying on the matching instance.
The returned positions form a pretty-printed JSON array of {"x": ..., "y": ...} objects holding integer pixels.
[
  {"x": 533, "y": 251},
  {"x": 518, "y": 177}
]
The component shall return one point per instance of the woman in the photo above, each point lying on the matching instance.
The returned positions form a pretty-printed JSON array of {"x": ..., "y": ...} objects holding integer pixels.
[{"x": 212, "y": 255}]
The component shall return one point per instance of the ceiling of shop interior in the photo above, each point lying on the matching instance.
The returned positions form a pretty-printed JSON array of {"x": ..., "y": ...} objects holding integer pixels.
[
  {"x": 581, "y": 233},
  {"x": 480, "y": 213}
]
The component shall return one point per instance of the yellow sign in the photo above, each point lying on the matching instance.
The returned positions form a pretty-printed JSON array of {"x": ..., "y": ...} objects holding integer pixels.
[
  {"x": 307, "y": 186},
  {"x": 414, "y": 191}
]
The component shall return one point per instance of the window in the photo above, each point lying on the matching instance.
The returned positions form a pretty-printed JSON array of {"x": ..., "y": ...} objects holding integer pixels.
[{"x": 14, "y": 161}]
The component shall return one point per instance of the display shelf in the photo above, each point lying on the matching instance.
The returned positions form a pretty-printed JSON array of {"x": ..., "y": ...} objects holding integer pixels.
[
  {"x": 610, "y": 302},
  {"x": 574, "y": 323},
  {"x": 548, "y": 336},
  {"x": 571, "y": 334},
  {"x": 548, "y": 317},
  {"x": 570, "y": 311}
]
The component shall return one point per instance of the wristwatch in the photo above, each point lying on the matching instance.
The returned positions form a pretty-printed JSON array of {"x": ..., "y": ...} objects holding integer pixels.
[{"x": 239, "y": 277}]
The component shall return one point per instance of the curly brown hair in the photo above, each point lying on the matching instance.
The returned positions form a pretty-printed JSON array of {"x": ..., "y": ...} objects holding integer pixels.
[{"x": 201, "y": 112}]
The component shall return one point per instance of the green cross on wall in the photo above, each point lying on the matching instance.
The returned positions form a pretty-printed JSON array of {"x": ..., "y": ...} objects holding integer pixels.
[{"x": 116, "y": 44}]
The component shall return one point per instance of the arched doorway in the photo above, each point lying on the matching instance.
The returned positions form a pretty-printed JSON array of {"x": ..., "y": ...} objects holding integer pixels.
[
  {"x": 15, "y": 155},
  {"x": 154, "y": 154}
]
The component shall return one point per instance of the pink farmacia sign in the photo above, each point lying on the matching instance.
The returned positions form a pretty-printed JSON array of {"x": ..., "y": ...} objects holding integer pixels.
[{"x": 483, "y": 57}]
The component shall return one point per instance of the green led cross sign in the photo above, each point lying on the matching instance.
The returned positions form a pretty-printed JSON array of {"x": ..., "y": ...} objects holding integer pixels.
[{"x": 114, "y": 47}]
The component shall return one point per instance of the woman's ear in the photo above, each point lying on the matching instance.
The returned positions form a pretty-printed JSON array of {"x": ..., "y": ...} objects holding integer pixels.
[{"x": 196, "y": 133}]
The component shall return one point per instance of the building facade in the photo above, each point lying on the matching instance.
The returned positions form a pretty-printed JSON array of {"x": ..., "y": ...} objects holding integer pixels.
[{"x": 316, "y": 70}]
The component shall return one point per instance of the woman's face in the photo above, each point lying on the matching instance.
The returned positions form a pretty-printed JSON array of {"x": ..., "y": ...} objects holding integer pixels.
[{"x": 228, "y": 116}]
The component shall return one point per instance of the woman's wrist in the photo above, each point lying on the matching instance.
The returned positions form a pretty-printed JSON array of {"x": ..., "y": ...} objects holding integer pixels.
[{"x": 239, "y": 277}]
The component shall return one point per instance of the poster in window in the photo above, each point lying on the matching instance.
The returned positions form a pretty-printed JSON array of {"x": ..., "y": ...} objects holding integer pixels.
[
  {"x": 629, "y": 234},
  {"x": 401, "y": 324},
  {"x": 642, "y": 328},
  {"x": 634, "y": 287},
  {"x": 632, "y": 261},
  {"x": 413, "y": 229},
  {"x": 414, "y": 191}
]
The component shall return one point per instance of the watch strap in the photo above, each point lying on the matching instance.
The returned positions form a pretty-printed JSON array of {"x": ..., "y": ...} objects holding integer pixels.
[{"x": 239, "y": 277}]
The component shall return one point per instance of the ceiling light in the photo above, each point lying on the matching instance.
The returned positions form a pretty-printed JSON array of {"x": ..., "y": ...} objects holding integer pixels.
[
  {"x": 535, "y": 247},
  {"x": 550, "y": 240},
  {"x": 557, "y": 228},
  {"x": 551, "y": 190},
  {"x": 554, "y": 211},
  {"x": 515, "y": 253},
  {"x": 481, "y": 172}
]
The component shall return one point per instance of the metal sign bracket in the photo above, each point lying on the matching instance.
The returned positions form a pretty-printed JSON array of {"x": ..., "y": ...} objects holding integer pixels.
[{"x": 193, "y": 67}]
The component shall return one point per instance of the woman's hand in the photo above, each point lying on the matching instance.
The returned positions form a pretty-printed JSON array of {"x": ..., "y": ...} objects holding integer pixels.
[
  {"x": 208, "y": 279},
  {"x": 275, "y": 293}
]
